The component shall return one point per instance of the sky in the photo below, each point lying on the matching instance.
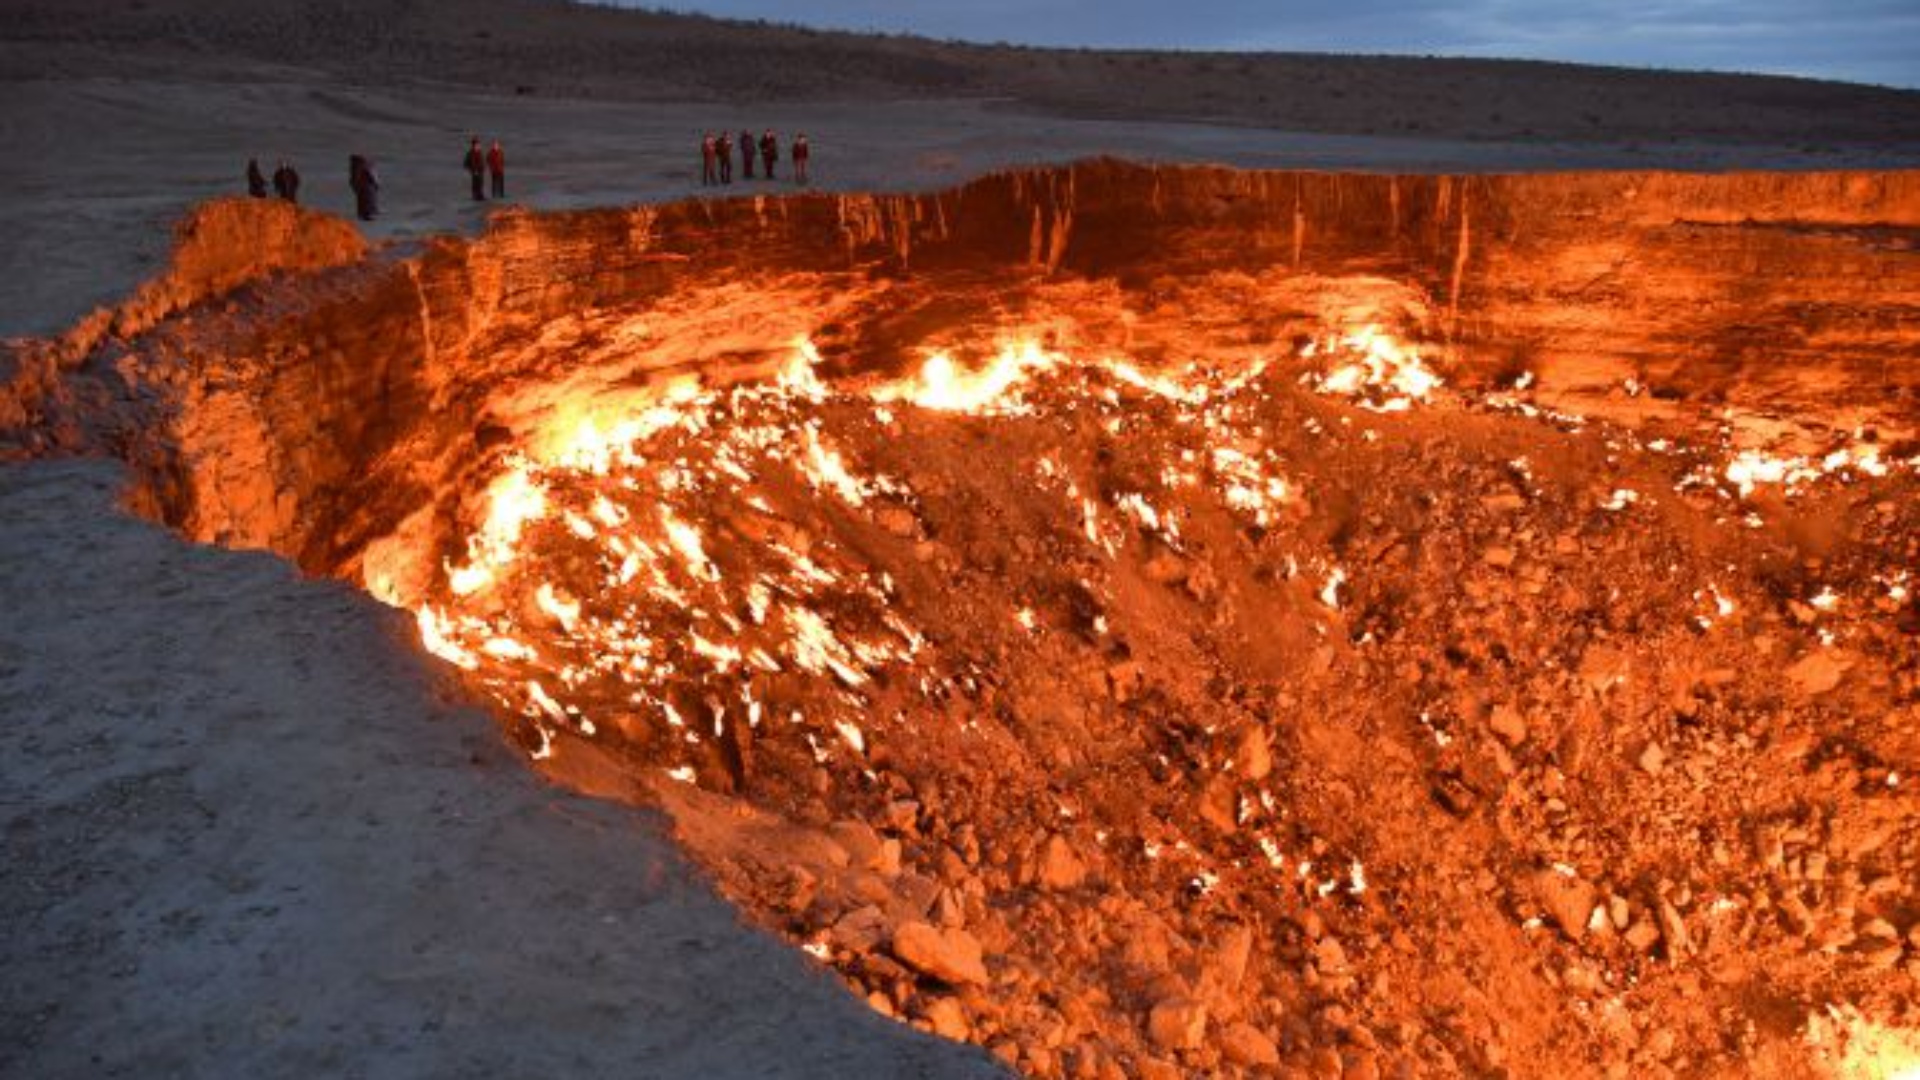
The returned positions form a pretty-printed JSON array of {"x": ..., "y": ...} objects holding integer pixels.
[{"x": 1875, "y": 41}]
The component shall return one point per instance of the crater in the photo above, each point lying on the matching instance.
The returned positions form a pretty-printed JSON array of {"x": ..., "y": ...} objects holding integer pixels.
[{"x": 1145, "y": 618}]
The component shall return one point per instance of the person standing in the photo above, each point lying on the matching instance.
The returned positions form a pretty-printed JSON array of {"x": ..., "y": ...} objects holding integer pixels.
[
  {"x": 709, "y": 161},
  {"x": 801, "y": 152},
  {"x": 746, "y": 155},
  {"x": 769, "y": 152},
  {"x": 366, "y": 187},
  {"x": 256, "y": 180},
  {"x": 723, "y": 152},
  {"x": 476, "y": 162},
  {"x": 497, "y": 168},
  {"x": 286, "y": 182}
]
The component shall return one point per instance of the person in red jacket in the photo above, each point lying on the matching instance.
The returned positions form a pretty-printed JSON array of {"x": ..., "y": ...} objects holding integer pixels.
[
  {"x": 801, "y": 153},
  {"x": 723, "y": 152},
  {"x": 497, "y": 168},
  {"x": 709, "y": 161}
]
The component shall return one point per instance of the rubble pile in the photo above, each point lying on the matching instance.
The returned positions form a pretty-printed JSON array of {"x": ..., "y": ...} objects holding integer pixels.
[{"x": 1217, "y": 721}]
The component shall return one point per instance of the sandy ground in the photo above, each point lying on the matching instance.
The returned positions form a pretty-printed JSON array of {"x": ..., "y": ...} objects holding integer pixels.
[{"x": 246, "y": 836}]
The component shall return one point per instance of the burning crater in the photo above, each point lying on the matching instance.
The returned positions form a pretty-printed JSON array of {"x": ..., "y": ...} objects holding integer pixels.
[{"x": 1152, "y": 621}]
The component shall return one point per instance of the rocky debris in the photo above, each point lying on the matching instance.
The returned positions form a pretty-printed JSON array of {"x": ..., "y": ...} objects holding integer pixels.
[
  {"x": 1060, "y": 868},
  {"x": 1568, "y": 900},
  {"x": 1818, "y": 672},
  {"x": 1506, "y": 722},
  {"x": 1178, "y": 1024},
  {"x": 1673, "y": 931},
  {"x": 947, "y": 1018},
  {"x": 1652, "y": 759},
  {"x": 1254, "y": 754},
  {"x": 949, "y": 954},
  {"x": 1247, "y": 1046}
]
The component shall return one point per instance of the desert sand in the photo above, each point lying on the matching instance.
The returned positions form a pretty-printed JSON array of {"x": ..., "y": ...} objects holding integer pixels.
[{"x": 250, "y": 829}]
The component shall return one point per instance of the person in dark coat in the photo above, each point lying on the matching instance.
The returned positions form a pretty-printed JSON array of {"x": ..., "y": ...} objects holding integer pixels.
[
  {"x": 497, "y": 168},
  {"x": 286, "y": 182},
  {"x": 476, "y": 162},
  {"x": 769, "y": 152},
  {"x": 256, "y": 180},
  {"x": 746, "y": 155},
  {"x": 801, "y": 153},
  {"x": 366, "y": 187},
  {"x": 723, "y": 153}
]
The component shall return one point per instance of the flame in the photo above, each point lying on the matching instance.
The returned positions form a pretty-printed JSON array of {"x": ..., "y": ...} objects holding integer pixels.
[
  {"x": 1384, "y": 374},
  {"x": 942, "y": 385},
  {"x": 1855, "y": 1047}
]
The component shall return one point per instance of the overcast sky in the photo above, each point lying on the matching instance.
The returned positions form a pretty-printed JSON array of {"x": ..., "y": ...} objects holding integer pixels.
[{"x": 1859, "y": 40}]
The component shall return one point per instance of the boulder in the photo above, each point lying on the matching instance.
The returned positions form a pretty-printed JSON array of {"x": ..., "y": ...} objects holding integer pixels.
[{"x": 949, "y": 954}]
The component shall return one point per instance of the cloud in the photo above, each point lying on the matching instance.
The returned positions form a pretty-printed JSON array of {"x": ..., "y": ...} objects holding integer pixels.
[{"x": 1861, "y": 40}]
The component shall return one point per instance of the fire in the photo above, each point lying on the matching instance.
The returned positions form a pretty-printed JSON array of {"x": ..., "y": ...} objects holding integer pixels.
[
  {"x": 1379, "y": 371},
  {"x": 941, "y": 384},
  {"x": 599, "y": 576},
  {"x": 1854, "y": 1047}
]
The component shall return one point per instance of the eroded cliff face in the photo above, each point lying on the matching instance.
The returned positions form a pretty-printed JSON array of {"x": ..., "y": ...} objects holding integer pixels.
[
  {"x": 1149, "y": 619},
  {"x": 313, "y": 414}
]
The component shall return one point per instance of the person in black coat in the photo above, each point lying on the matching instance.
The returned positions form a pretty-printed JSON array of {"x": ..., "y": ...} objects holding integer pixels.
[
  {"x": 366, "y": 187},
  {"x": 286, "y": 182},
  {"x": 769, "y": 152},
  {"x": 476, "y": 161},
  {"x": 256, "y": 180}
]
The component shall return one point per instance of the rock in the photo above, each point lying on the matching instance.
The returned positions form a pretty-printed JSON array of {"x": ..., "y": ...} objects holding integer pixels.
[
  {"x": 1507, "y": 723},
  {"x": 1817, "y": 672},
  {"x": 1254, "y": 755},
  {"x": 1151, "y": 1069},
  {"x": 898, "y": 521},
  {"x": 1123, "y": 681},
  {"x": 886, "y": 860},
  {"x": 1246, "y": 1046},
  {"x": 1618, "y": 911},
  {"x": 948, "y": 910},
  {"x": 1228, "y": 967},
  {"x": 951, "y": 955},
  {"x": 948, "y": 1018},
  {"x": 1568, "y": 900},
  {"x": 859, "y": 841},
  {"x": 1673, "y": 932},
  {"x": 1060, "y": 868},
  {"x": 861, "y": 929},
  {"x": 1653, "y": 759},
  {"x": 1218, "y": 804},
  {"x": 1178, "y": 1024},
  {"x": 1603, "y": 667},
  {"x": 1498, "y": 557}
]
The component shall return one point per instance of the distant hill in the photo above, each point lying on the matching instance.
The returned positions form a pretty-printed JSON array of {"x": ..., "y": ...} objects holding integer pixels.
[{"x": 561, "y": 48}]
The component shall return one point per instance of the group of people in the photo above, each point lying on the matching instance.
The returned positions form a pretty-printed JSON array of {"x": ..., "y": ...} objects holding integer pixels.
[
  {"x": 490, "y": 164},
  {"x": 286, "y": 184},
  {"x": 365, "y": 182},
  {"x": 716, "y": 157},
  {"x": 286, "y": 181},
  {"x": 481, "y": 164}
]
